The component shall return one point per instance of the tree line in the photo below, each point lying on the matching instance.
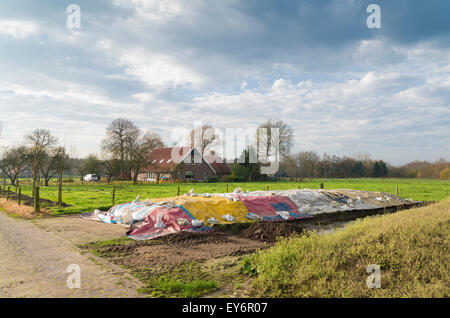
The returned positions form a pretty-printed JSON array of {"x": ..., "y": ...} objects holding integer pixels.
[{"x": 125, "y": 152}]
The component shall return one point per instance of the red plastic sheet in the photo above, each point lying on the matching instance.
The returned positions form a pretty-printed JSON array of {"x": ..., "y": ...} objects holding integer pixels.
[
  {"x": 266, "y": 206},
  {"x": 147, "y": 230}
]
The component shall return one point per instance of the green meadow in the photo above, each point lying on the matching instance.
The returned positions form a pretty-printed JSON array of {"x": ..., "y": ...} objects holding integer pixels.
[{"x": 90, "y": 196}]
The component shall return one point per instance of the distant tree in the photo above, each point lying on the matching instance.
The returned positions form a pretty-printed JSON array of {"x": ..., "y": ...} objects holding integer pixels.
[
  {"x": 243, "y": 170},
  {"x": 202, "y": 138},
  {"x": 268, "y": 143},
  {"x": 358, "y": 169},
  {"x": 140, "y": 150},
  {"x": 119, "y": 135},
  {"x": 39, "y": 143},
  {"x": 112, "y": 167},
  {"x": 13, "y": 163},
  {"x": 92, "y": 164},
  {"x": 445, "y": 174},
  {"x": 62, "y": 161},
  {"x": 376, "y": 172}
]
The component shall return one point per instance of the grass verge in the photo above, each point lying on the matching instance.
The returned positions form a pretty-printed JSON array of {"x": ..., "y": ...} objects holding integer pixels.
[{"x": 411, "y": 247}]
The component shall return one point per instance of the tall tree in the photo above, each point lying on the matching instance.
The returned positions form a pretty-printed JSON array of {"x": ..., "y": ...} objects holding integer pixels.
[
  {"x": 140, "y": 150},
  {"x": 269, "y": 142},
  {"x": 119, "y": 135},
  {"x": 39, "y": 143},
  {"x": 202, "y": 138}
]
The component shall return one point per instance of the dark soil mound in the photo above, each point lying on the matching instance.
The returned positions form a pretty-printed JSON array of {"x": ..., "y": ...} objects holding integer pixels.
[{"x": 269, "y": 231}]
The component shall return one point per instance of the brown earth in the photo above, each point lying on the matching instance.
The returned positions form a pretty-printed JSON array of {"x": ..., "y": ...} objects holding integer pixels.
[
  {"x": 23, "y": 211},
  {"x": 169, "y": 251}
]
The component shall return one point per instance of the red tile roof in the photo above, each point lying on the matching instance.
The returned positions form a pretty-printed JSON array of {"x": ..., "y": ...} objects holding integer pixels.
[
  {"x": 161, "y": 160},
  {"x": 218, "y": 164}
]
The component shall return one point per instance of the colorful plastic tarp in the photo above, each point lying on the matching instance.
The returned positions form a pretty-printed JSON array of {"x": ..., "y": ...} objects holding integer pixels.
[
  {"x": 162, "y": 221},
  {"x": 267, "y": 207},
  {"x": 199, "y": 212},
  {"x": 203, "y": 209}
]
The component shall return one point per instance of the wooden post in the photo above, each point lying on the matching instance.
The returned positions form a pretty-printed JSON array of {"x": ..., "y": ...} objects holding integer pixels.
[
  {"x": 396, "y": 191},
  {"x": 227, "y": 188},
  {"x": 7, "y": 193},
  {"x": 19, "y": 196},
  {"x": 37, "y": 203},
  {"x": 114, "y": 196},
  {"x": 299, "y": 187},
  {"x": 60, "y": 193},
  {"x": 178, "y": 190},
  {"x": 267, "y": 188},
  {"x": 322, "y": 185}
]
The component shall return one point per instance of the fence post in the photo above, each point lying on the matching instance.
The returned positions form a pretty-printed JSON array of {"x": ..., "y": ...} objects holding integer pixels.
[
  {"x": 396, "y": 191},
  {"x": 19, "y": 196},
  {"x": 114, "y": 196},
  {"x": 267, "y": 188},
  {"x": 322, "y": 185},
  {"x": 227, "y": 188},
  {"x": 60, "y": 193},
  {"x": 37, "y": 205},
  {"x": 7, "y": 194},
  {"x": 178, "y": 190}
]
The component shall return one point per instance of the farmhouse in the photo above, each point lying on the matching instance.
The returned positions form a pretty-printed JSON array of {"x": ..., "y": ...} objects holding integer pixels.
[{"x": 191, "y": 166}]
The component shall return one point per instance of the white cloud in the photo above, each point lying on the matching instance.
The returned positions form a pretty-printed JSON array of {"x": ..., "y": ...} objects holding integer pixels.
[
  {"x": 19, "y": 29},
  {"x": 159, "y": 70}
]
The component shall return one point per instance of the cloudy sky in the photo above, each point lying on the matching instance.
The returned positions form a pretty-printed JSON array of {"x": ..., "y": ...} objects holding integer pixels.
[{"x": 343, "y": 88}]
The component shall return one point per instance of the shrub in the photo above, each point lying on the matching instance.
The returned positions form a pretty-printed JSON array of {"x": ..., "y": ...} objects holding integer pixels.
[{"x": 445, "y": 174}]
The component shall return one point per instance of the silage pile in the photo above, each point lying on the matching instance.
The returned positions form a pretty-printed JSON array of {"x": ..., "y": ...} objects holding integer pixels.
[{"x": 199, "y": 212}]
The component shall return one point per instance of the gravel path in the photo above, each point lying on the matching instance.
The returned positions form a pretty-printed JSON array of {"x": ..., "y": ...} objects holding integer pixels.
[{"x": 34, "y": 262}]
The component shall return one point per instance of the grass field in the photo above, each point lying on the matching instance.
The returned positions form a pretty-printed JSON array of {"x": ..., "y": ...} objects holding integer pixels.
[
  {"x": 411, "y": 247},
  {"x": 92, "y": 196}
]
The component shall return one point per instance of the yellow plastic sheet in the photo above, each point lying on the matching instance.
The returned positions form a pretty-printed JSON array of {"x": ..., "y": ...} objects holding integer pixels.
[{"x": 214, "y": 207}]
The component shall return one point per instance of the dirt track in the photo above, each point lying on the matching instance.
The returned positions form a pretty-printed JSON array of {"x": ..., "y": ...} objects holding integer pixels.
[{"x": 33, "y": 263}]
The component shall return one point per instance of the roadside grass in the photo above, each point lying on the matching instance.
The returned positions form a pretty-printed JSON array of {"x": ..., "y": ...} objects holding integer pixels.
[
  {"x": 411, "y": 247},
  {"x": 188, "y": 280},
  {"x": 86, "y": 198}
]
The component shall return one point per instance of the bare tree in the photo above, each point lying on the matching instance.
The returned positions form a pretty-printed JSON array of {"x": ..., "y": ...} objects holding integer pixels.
[
  {"x": 202, "y": 138},
  {"x": 119, "y": 135},
  {"x": 13, "y": 163},
  {"x": 285, "y": 140},
  {"x": 48, "y": 164},
  {"x": 62, "y": 160},
  {"x": 111, "y": 167},
  {"x": 140, "y": 151},
  {"x": 39, "y": 143}
]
